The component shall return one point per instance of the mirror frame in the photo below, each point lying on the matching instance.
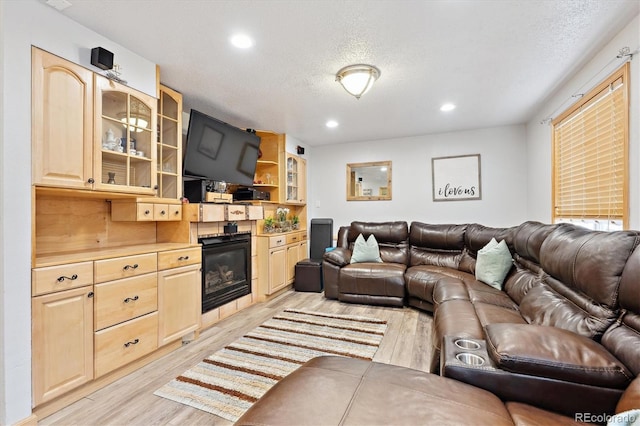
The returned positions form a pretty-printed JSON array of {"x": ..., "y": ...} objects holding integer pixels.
[{"x": 350, "y": 170}]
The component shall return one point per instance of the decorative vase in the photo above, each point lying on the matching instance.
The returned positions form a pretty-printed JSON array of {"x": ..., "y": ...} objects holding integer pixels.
[{"x": 112, "y": 178}]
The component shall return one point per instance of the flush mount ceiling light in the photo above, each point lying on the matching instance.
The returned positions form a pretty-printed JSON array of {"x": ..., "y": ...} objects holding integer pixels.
[
  {"x": 447, "y": 107},
  {"x": 358, "y": 79},
  {"x": 241, "y": 41},
  {"x": 331, "y": 124}
]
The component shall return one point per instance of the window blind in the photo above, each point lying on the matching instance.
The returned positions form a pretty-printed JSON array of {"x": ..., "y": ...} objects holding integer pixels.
[{"x": 590, "y": 154}]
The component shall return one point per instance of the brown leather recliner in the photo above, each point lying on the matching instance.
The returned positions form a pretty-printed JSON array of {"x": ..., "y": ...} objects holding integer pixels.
[{"x": 369, "y": 283}]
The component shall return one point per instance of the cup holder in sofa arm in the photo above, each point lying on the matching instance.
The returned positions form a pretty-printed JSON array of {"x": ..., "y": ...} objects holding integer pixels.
[
  {"x": 467, "y": 344},
  {"x": 470, "y": 359}
]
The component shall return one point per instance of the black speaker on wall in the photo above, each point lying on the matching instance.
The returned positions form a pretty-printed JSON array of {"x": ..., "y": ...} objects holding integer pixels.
[
  {"x": 321, "y": 237},
  {"x": 101, "y": 58}
]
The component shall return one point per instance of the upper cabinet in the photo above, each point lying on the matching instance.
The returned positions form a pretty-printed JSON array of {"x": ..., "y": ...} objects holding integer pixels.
[
  {"x": 89, "y": 132},
  {"x": 296, "y": 171},
  {"x": 267, "y": 177},
  {"x": 62, "y": 122},
  {"x": 125, "y": 131},
  {"x": 169, "y": 148}
]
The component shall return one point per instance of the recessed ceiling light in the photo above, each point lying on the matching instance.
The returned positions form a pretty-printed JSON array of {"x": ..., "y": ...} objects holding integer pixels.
[
  {"x": 447, "y": 107},
  {"x": 331, "y": 124},
  {"x": 59, "y": 5},
  {"x": 242, "y": 41}
]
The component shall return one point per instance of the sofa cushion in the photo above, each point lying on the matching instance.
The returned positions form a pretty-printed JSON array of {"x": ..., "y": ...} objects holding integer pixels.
[
  {"x": 554, "y": 353},
  {"x": 345, "y": 391},
  {"x": 493, "y": 263},
  {"x": 477, "y": 236},
  {"x": 365, "y": 250},
  {"x": 374, "y": 279},
  {"x": 591, "y": 262},
  {"x": 528, "y": 238},
  {"x": 518, "y": 284},
  {"x": 392, "y": 237},
  {"x": 440, "y": 245},
  {"x": 525, "y": 414},
  {"x": 493, "y": 314},
  {"x": 553, "y": 304}
]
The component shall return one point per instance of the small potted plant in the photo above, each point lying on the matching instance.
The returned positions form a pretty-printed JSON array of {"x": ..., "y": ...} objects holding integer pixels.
[
  {"x": 268, "y": 225},
  {"x": 295, "y": 222}
]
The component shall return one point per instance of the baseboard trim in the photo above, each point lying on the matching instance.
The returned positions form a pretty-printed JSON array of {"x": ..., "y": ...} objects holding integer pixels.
[{"x": 32, "y": 420}]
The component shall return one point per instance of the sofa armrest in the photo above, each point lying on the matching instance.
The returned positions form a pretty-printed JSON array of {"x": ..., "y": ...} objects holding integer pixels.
[
  {"x": 339, "y": 256},
  {"x": 555, "y": 353}
]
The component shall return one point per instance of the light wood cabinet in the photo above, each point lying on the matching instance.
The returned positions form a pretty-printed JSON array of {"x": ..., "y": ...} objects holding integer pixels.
[
  {"x": 125, "y": 342},
  {"x": 146, "y": 210},
  {"x": 296, "y": 173},
  {"x": 169, "y": 147},
  {"x": 277, "y": 258},
  {"x": 61, "y": 122},
  {"x": 179, "y": 302},
  {"x": 89, "y": 132},
  {"x": 128, "y": 117},
  {"x": 62, "y": 339},
  {"x": 268, "y": 167},
  {"x": 121, "y": 300}
]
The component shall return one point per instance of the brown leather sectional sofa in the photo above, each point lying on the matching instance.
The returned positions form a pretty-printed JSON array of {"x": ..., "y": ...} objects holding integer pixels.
[{"x": 564, "y": 332}]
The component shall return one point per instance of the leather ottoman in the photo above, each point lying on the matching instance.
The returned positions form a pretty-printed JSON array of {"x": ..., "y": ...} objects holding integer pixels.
[
  {"x": 347, "y": 391},
  {"x": 308, "y": 275}
]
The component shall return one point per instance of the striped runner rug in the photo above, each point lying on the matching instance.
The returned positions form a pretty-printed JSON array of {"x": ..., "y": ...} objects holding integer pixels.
[{"x": 228, "y": 382}]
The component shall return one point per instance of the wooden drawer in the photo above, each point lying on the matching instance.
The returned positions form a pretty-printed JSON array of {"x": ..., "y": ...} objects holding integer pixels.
[
  {"x": 119, "y": 345},
  {"x": 277, "y": 241},
  {"x": 176, "y": 258},
  {"x": 62, "y": 277},
  {"x": 235, "y": 212},
  {"x": 296, "y": 237},
  {"x": 124, "y": 267},
  {"x": 145, "y": 211},
  {"x": 122, "y": 300}
]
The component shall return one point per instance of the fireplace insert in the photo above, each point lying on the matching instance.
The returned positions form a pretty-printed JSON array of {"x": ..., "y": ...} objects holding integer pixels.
[{"x": 226, "y": 269}]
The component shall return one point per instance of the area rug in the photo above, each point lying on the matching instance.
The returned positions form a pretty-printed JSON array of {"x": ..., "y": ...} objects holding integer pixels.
[{"x": 228, "y": 382}]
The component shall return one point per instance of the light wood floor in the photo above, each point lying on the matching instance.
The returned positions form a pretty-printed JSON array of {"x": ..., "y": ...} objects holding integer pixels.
[{"x": 130, "y": 400}]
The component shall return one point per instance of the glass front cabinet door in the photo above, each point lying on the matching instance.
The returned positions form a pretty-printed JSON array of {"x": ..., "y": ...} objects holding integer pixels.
[
  {"x": 296, "y": 179},
  {"x": 125, "y": 139},
  {"x": 169, "y": 147}
]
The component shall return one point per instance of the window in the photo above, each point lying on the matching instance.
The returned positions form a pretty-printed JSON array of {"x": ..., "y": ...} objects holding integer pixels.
[{"x": 590, "y": 157}]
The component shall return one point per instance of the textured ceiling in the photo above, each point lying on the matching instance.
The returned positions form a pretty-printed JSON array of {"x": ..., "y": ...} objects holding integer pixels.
[{"x": 497, "y": 60}]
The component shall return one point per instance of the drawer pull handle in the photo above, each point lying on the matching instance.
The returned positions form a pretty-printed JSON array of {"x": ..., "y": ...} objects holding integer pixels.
[
  {"x": 177, "y": 212},
  {"x": 133, "y": 342},
  {"x": 162, "y": 213},
  {"x": 147, "y": 212},
  {"x": 134, "y": 266},
  {"x": 279, "y": 241},
  {"x": 131, "y": 299},
  {"x": 183, "y": 258},
  {"x": 71, "y": 278}
]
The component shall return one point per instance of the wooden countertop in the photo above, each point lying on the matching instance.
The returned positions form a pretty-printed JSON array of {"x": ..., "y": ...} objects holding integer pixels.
[{"x": 105, "y": 253}]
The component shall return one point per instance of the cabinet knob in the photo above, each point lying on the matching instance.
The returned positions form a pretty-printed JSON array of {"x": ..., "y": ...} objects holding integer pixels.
[
  {"x": 133, "y": 342},
  {"x": 134, "y": 266},
  {"x": 147, "y": 212},
  {"x": 91, "y": 181},
  {"x": 162, "y": 213},
  {"x": 131, "y": 299},
  {"x": 71, "y": 278},
  {"x": 90, "y": 295}
]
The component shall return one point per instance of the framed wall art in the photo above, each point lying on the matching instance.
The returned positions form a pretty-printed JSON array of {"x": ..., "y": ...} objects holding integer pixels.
[{"x": 456, "y": 178}]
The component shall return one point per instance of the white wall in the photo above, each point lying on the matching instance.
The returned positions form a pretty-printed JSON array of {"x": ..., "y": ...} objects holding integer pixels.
[
  {"x": 503, "y": 169},
  {"x": 539, "y": 135},
  {"x": 22, "y": 24}
]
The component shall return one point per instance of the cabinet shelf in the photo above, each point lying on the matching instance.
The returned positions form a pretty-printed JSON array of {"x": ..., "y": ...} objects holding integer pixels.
[{"x": 267, "y": 162}]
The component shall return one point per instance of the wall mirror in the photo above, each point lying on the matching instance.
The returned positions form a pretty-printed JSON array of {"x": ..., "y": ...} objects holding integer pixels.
[{"x": 369, "y": 181}]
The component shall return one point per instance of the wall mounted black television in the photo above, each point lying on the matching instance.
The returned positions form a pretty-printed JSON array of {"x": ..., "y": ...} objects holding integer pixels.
[{"x": 219, "y": 151}]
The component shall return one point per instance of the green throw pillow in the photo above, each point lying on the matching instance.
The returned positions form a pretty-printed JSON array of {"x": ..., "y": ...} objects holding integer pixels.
[
  {"x": 493, "y": 263},
  {"x": 365, "y": 251}
]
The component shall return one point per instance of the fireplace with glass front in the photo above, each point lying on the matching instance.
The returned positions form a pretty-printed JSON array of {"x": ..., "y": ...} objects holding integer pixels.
[{"x": 226, "y": 269}]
